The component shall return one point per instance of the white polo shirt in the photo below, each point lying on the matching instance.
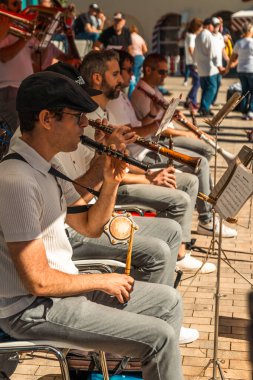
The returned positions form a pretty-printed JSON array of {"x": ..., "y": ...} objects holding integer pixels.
[
  {"x": 123, "y": 112},
  {"x": 31, "y": 207},
  {"x": 205, "y": 54}
]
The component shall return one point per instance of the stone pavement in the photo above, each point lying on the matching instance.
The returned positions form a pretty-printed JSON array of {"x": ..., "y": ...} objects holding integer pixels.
[{"x": 199, "y": 297}]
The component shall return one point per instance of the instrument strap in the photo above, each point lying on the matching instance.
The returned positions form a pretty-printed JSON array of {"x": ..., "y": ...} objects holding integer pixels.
[{"x": 58, "y": 174}]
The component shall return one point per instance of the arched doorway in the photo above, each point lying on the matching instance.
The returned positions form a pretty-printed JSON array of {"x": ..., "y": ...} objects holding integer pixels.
[{"x": 165, "y": 34}]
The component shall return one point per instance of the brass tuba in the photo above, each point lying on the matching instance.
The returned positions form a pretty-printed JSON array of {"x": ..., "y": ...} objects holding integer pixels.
[{"x": 21, "y": 25}]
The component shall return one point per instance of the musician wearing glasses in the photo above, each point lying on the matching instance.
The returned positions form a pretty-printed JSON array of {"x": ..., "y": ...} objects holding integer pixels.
[
  {"x": 155, "y": 70},
  {"x": 47, "y": 296},
  {"x": 15, "y": 65}
]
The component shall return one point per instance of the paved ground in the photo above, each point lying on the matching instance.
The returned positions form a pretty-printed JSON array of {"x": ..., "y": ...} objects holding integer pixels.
[{"x": 199, "y": 297}]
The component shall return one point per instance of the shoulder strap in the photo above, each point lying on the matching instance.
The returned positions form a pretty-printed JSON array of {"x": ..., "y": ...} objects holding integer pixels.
[{"x": 57, "y": 173}]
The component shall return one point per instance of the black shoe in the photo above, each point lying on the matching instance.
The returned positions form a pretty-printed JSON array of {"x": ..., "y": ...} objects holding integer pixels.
[{"x": 205, "y": 113}]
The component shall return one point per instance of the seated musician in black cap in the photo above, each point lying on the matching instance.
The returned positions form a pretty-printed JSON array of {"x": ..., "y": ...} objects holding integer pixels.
[{"x": 46, "y": 295}]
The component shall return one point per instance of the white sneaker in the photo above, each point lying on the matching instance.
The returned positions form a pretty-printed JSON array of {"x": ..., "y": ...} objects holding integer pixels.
[
  {"x": 188, "y": 335},
  {"x": 185, "y": 83},
  {"x": 190, "y": 264},
  {"x": 207, "y": 229}
]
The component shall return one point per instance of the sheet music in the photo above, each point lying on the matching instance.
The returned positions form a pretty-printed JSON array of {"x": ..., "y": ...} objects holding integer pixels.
[
  {"x": 236, "y": 193},
  {"x": 168, "y": 114}
]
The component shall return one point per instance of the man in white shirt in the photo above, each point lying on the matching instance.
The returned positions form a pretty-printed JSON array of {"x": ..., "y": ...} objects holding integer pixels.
[
  {"x": 205, "y": 55},
  {"x": 219, "y": 45},
  {"x": 42, "y": 294},
  {"x": 157, "y": 242}
]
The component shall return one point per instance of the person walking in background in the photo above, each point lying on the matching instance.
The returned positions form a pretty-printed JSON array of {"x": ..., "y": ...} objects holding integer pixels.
[
  {"x": 243, "y": 57},
  {"x": 220, "y": 46},
  {"x": 194, "y": 28},
  {"x": 206, "y": 57},
  {"x": 139, "y": 49}
]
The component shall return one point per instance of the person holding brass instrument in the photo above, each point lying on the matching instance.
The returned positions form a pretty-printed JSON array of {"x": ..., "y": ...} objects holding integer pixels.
[
  {"x": 47, "y": 296},
  {"x": 155, "y": 69},
  {"x": 15, "y": 65}
]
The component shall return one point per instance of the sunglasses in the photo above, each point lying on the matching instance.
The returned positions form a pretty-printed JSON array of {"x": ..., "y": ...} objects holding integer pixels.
[
  {"x": 162, "y": 72},
  {"x": 129, "y": 70}
]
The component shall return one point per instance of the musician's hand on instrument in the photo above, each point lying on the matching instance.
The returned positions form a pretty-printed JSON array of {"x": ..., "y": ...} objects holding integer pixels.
[
  {"x": 117, "y": 285},
  {"x": 164, "y": 177},
  {"x": 115, "y": 169},
  {"x": 99, "y": 135},
  {"x": 122, "y": 134}
]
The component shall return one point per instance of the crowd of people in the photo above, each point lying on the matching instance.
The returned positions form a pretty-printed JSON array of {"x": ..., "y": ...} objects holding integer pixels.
[{"x": 42, "y": 292}]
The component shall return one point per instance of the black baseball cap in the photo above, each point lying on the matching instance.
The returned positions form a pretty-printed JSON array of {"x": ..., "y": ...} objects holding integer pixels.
[
  {"x": 48, "y": 90},
  {"x": 72, "y": 73}
]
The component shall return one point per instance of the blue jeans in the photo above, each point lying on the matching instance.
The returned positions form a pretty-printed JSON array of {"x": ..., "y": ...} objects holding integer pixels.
[
  {"x": 192, "y": 95},
  {"x": 209, "y": 88},
  {"x": 87, "y": 36},
  {"x": 219, "y": 77},
  {"x": 247, "y": 85},
  {"x": 138, "y": 61}
]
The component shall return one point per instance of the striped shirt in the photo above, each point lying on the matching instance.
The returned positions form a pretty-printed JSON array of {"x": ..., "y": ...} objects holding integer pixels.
[{"x": 31, "y": 207}]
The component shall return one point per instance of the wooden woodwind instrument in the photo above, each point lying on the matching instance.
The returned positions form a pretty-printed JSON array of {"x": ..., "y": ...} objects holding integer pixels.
[
  {"x": 156, "y": 99},
  {"x": 193, "y": 162},
  {"x": 182, "y": 120},
  {"x": 103, "y": 149}
]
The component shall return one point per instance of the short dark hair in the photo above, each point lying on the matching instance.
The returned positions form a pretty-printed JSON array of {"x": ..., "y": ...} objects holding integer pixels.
[
  {"x": 194, "y": 25},
  {"x": 124, "y": 56},
  {"x": 96, "y": 62},
  {"x": 152, "y": 60},
  {"x": 27, "y": 120}
]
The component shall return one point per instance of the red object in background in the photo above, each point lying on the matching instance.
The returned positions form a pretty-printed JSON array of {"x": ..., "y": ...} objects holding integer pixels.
[{"x": 147, "y": 214}]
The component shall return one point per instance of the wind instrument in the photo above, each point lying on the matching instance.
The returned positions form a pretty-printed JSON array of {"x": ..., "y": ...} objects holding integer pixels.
[
  {"x": 193, "y": 162},
  {"x": 103, "y": 149},
  {"x": 182, "y": 120},
  {"x": 21, "y": 25},
  {"x": 156, "y": 99}
]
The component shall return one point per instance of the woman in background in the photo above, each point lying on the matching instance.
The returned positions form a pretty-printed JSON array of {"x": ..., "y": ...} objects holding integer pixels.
[
  {"x": 139, "y": 49},
  {"x": 242, "y": 56},
  {"x": 194, "y": 28}
]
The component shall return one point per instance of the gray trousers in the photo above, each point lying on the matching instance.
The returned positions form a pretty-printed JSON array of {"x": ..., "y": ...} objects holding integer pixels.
[
  {"x": 146, "y": 327},
  {"x": 154, "y": 254},
  {"x": 198, "y": 146},
  {"x": 8, "y": 106},
  {"x": 177, "y": 204},
  {"x": 203, "y": 208}
]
